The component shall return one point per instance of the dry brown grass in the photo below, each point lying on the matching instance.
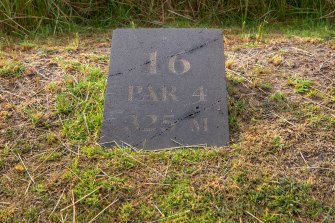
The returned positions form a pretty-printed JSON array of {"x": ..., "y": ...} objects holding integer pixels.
[{"x": 280, "y": 165}]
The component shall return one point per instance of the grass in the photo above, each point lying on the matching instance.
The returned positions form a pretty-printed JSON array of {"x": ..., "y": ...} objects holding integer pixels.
[
  {"x": 50, "y": 17},
  {"x": 302, "y": 86},
  {"x": 278, "y": 97},
  {"x": 271, "y": 171},
  {"x": 11, "y": 68}
]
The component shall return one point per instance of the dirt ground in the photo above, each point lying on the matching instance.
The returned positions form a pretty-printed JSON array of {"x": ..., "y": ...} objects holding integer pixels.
[{"x": 279, "y": 167}]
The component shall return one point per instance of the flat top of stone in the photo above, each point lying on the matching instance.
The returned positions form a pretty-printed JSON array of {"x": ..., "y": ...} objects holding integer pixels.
[{"x": 166, "y": 88}]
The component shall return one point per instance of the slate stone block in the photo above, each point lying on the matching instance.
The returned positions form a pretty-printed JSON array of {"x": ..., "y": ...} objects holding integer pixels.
[{"x": 166, "y": 87}]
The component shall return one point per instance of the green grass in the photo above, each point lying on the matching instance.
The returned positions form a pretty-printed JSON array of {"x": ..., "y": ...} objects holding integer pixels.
[
  {"x": 10, "y": 68},
  {"x": 50, "y": 17},
  {"x": 302, "y": 86},
  {"x": 183, "y": 196},
  {"x": 260, "y": 175},
  {"x": 278, "y": 97},
  {"x": 83, "y": 100},
  {"x": 263, "y": 196}
]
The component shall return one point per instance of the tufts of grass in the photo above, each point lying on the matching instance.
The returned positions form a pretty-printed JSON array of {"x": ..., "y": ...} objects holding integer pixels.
[
  {"x": 94, "y": 152},
  {"x": 37, "y": 118},
  {"x": 99, "y": 58},
  {"x": 302, "y": 86},
  {"x": 316, "y": 118},
  {"x": 53, "y": 87},
  {"x": 277, "y": 142},
  {"x": 313, "y": 94},
  {"x": 264, "y": 85},
  {"x": 273, "y": 201},
  {"x": 262, "y": 70},
  {"x": 6, "y": 214},
  {"x": 179, "y": 198},
  {"x": 81, "y": 103},
  {"x": 90, "y": 180},
  {"x": 235, "y": 79},
  {"x": 276, "y": 60},
  {"x": 11, "y": 68},
  {"x": 52, "y": 156},
  {"x": 278, "y": 97},
  {"x": 126, "y": 212},
  {"x": 229, "y": 64},
  {"x": 32, "y": 215},
  {"x": 64, "y": 104},
  {"x": 74, "y": 44}
]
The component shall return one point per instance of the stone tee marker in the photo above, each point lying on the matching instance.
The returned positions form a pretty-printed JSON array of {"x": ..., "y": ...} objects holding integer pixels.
[{"x": 166, "y": 88}]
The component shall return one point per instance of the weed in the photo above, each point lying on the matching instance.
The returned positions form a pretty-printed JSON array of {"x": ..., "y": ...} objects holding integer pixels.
[
  {"x": 260, "y": 31},
  {"x": 278, "y": 97},
  {"x": 249, "y": 45},
  {"x": 146, "y": 211},
  {"x": 39, "y": 188},
  {"x": 302, "y": 86},
  {"x": 2, "y": 162},
  {"x": 190, "y": 156},
  {"x": 229, "y": 64},
  {"x": 74, "y": 43},
  {"x": 322, "y": 120},
  {"x": 64, "y": 104},
  {"x": 53, "y": 87},
  {"x": 27, "y": 45},
  {"x": 264, "y": 85},
  {"x": 54, "y": 155},
  {"x": 37, "y": 118},
  {"x": 262, "y": 70},
  {"x": 235, "y": 79},
  {"x": 126, "y": 212},
  {"x": 51, "y": 138},
  {"x": 233, "y": 123},
  {"x": 313, "y": 94},
  {"x": 32, "y": 214},
  {"x": 277, "y": 142},
  {"x": 276, "y": 59},
  {"x": 316, "y": 118},
  {"x": 124, "y": 162},
  {"x": 99, "y": 58},
  {"x": 10, "y": 68},
  {"x": 93, "y": 152}
]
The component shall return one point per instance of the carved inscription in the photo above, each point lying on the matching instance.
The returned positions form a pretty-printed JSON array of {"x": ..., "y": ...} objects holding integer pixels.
[
  {"x": 149, "y": 93},
  {"x": 171, "y": 63},
  {"x": 164, "y": 94},
  {"x": 200, "y": 125},
  {"x": 166, "y": 88},
  {"x": 200, "y": 92},
  {"x": 149, "y": 123},
  {"x": 153, "y": 63}
]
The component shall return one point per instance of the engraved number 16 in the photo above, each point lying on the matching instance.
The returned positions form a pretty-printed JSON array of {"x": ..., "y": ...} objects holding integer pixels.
[{"x": 171, "y": 65}]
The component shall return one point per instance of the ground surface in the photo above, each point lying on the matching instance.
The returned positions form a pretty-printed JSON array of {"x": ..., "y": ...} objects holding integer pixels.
[{"x": 280, "y": 166}]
